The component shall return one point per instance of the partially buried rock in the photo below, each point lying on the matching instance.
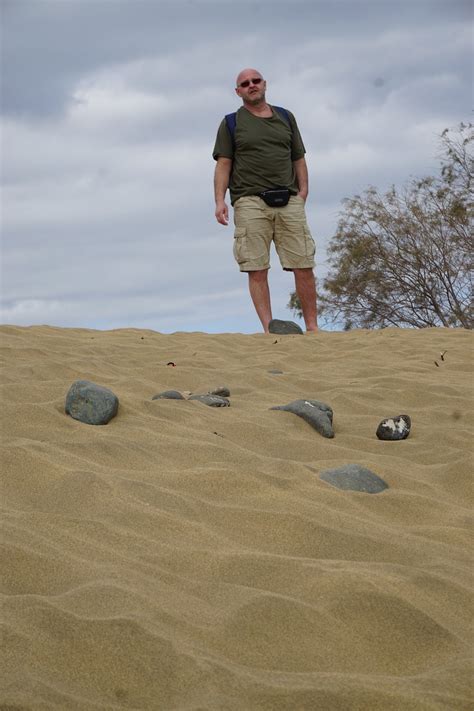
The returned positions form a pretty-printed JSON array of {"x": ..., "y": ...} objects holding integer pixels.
[
  {"x": 91, "y": 403},
  {"x": 317, "y": 414},
  {"x": 211, "y": 400},
  {"x": 168, "y": 395},
  {"x": 284, "y": 327},
  {"x": 394, "y": 428},
  {"x": 353, "y": 477},
  {"x": 221, "y": 390}
]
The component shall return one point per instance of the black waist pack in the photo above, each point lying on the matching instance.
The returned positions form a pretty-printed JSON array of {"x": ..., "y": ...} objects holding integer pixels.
[{"x": 278, "y": 197}]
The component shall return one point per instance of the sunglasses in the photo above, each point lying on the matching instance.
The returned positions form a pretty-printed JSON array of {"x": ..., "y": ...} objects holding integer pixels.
[{"x": 247, "y": 82}]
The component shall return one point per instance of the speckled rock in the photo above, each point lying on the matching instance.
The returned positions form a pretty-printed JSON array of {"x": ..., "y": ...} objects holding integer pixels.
[
  {"x": 353, "y": 477},
  {"x": 168, "y": 395},
  {"x": 211, "y": 400},
  {"x": 394, "y": 428},
  {"x": 220, "y": 390},
  {"x": 91, "y": 403},
  {"x": 317, "y": 414},
  {"x": 284, "y": 327}
]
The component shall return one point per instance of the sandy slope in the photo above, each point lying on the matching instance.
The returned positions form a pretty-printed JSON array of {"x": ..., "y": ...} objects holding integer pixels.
[{"x": 187, "y": 557}]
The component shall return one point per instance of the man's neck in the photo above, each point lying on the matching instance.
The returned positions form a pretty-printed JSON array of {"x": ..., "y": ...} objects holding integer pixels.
[{"x": 261, "y": 109}]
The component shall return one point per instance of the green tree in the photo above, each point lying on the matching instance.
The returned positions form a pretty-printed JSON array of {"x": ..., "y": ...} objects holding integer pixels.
[{"x": 405, "y": 258}]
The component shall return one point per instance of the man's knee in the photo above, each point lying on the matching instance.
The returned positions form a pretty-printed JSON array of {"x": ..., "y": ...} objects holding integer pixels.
[
  {"x": 305, "y": 273},
  {"x": 258, "y": 275}
]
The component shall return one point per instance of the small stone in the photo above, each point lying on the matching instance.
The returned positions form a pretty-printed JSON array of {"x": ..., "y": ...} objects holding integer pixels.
[
  {"x": 353, "y": 477},
  {"x": 394, "y": 428},
  {"x": 276, "y": 372},
  {"x": 168, "y": 395},
  {"x": 211, "y": 400},
  {"x": 220, "y": 390},
  {"x": 91, "y": 403},
  {"x": 284, "y": 327},
  {"x": 317, "y": 414}
]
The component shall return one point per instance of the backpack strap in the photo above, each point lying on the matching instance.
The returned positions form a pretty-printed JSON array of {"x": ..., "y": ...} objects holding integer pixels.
[
  {"x": 231, "y": 121},
  {"x": 283, "y": 112}
]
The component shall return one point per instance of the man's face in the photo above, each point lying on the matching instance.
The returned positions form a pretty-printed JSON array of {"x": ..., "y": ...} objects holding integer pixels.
[{"x": 251, "y": 87}]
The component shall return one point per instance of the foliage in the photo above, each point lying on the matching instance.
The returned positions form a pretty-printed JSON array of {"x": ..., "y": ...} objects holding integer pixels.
[{"x": 405, "y": 258}]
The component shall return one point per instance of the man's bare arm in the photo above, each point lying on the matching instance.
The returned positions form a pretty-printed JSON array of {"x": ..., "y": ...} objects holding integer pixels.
[
  {"x": 301, "y": 172},
  {"x": 221, "y": 183}
]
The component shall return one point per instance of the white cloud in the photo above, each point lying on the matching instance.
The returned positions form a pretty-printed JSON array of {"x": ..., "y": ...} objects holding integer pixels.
[{"x": 109, "y": 105}]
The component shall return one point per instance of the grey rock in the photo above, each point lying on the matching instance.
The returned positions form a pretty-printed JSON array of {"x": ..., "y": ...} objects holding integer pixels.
[
  {"x": 221, "y": 390},
  {"x": 276, "y": 372},
  {"x": 284, "y": 327},
  {"x": 211, "y": 400},
  {"x": 168, "y": 395},
  {"x": 316, "y": 413},
  {"x": 353, "y": 477},
  {"x": 394, "y": 428},
  {"x": 91, "y": 403}
]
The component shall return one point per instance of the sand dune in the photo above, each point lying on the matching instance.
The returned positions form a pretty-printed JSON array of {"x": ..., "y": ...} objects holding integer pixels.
[{"x": 188, "y": 557}]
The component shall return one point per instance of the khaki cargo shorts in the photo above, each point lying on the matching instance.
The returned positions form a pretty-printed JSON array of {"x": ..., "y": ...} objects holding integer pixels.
[{"x": 257, "y": 225}]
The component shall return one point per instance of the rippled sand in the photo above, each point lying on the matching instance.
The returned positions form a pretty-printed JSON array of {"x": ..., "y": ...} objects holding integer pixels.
[{"x": 188, "y": 557}]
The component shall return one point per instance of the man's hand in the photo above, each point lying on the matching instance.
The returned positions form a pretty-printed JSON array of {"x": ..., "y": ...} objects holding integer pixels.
[{"x": 222, "y": 212}]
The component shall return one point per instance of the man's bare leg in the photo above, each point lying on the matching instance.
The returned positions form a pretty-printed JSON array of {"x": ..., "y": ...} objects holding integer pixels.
[
  {"x": 260, "y": 293},
  {"x": 306, "y": 289}
]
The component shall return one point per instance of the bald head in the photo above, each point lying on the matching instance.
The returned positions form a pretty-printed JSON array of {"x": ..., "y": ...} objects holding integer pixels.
[
  {"x": 251, "y": 86},
  {"x": 247, "y": 74}
]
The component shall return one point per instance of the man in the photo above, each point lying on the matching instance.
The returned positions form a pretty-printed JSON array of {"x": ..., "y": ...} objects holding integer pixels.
[{"x": 265, "y": 152}]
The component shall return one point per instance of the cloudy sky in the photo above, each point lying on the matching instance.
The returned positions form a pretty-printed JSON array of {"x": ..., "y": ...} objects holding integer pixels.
[{"x": 109, "y": 115}]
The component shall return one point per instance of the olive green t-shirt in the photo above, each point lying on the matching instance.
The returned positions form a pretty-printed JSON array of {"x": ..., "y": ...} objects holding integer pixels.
[{"x": 265, "y": 149}]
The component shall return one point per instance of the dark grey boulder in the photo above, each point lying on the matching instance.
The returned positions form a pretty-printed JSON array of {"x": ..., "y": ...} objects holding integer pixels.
[
  {"x": 317, "y": 414},
  {"x": 284, "y": 327},
  {"x": 353, "y": 477},
  {"x": 394, "y": 428},
  {"x": 91, "y": 403},
  {"x": 211, "y": 400},
  {"x": 169, "y": 395},
  {"x": 221, "y": 390}
]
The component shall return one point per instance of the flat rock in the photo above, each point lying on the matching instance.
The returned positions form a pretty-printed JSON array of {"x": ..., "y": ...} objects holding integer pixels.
[
  {"x": 168, "y": 395},
  {"x": 220, "y": 390},
  {"x": 274, "y": 371},
  {"x": 316, "y": 413},
  {"x": 211, "y": 400},
  {"x": 90, "y": 403},
  {"x": 394, "y": 428},
  {"x": 284, "y": 327},
  {"x": 353, "y": 477}
]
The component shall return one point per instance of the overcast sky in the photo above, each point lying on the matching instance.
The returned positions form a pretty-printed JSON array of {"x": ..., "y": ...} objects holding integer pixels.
[{"x": 110, "y": 110}]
